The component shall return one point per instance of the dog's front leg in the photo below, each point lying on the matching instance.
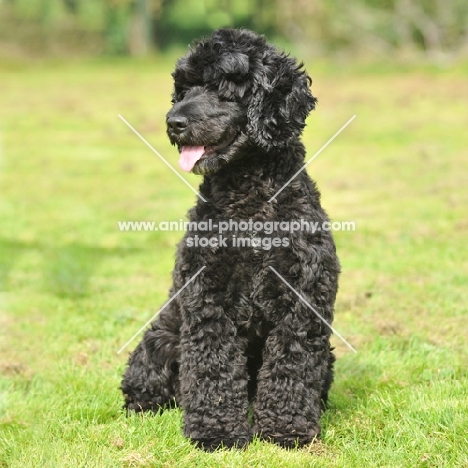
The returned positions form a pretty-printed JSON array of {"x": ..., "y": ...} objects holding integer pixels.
[
  {"x": 296, "y": 360},
  {"x": 214, "y": 380}
]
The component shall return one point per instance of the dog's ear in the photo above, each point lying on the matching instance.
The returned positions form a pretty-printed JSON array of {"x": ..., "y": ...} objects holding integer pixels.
[{"x": 280, "y": 102}]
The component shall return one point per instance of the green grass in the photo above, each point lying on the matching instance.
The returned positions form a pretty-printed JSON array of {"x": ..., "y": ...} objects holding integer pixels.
[{"x": 74, "y": 289}]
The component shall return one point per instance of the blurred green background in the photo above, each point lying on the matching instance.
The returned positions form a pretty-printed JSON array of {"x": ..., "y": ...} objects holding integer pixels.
[
  {"x": 435, "y": 28},
  {"x": 74, "y": 289}
]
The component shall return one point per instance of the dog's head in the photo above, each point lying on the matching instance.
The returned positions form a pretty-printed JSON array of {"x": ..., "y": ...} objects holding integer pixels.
[{"x": 232, "y": 91}]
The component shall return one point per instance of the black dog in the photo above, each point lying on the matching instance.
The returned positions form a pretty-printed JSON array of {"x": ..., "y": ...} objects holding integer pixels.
[{"x": 237, "y": 336}]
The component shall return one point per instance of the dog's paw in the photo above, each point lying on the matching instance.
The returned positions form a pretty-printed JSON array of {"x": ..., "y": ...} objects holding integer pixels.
[
  {"x": 140, "y": 404},
  {"x": 292, "y": 440},
  {"x": 141, "y": 407},
  {"x": 209, "y": 444}
]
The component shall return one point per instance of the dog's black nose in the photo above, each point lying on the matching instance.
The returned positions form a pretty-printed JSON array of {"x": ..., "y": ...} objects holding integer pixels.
[{"x": 177, "y": 124}]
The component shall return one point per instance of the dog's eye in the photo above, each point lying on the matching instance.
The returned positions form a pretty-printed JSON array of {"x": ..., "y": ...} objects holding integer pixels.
[
  {"x": 177, "y": 97},
  {"x": 181, "y": 95},
  {"x": 178, "y": 94}
]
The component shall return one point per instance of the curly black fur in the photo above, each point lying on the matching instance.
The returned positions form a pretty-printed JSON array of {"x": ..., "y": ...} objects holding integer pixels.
[{"x": 237, "y": 336}]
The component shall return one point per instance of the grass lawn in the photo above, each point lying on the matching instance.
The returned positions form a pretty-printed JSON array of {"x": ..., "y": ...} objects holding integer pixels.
[{"x": 73, "y": 289}]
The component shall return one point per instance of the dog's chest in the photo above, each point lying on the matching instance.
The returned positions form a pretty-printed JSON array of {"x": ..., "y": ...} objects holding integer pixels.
[{"x": 242, "y": 299}]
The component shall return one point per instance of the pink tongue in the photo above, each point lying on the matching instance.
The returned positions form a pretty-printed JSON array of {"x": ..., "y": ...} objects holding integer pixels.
[{"x": 189, "y": 156}]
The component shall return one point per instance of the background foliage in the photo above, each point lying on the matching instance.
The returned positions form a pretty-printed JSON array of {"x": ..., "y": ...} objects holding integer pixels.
[{"x": 437, "y": 28}]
